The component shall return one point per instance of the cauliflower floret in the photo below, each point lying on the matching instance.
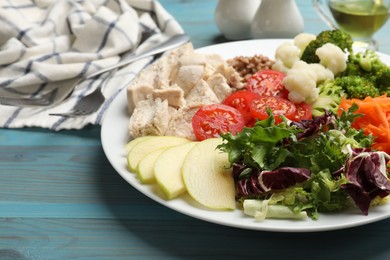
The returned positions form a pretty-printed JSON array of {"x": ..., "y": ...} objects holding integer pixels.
[
  {"x": 290, "y": 52},
  {"x": 332, "y": 57},
  {"x": 322, "y": 73},
  {"x": 302, "y": 40},
  {"x": 285, "y": 56},
  {"x": 300, "y": 92},
  {"x": 279, "y": 66},
  {"x": 301, "y": 81}
]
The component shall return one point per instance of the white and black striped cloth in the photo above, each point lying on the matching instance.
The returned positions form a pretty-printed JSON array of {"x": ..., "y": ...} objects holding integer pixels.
[{"x": 47, "y": 45}]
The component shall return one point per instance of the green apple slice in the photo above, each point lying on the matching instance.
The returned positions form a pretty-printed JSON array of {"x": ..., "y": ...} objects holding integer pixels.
[
  {"x": 135, "y": 141},
  {"x": 146, "y": 166},
  {"x": 207, "y": 176},
  {"x": 149, "y": 145},
  {"x": 167, "y": 169}
]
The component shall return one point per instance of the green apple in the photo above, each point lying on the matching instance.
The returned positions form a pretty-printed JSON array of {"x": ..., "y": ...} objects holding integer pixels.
[
  {"x": 145, "y": 167},
  {"x": 135, "y": 141},
  {"x": 207, "y": 176},
  {"x": 148, "y": 145},
  {"x": 167, "y": 169}
]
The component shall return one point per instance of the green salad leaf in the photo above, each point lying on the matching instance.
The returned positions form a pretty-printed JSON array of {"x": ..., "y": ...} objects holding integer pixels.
[{"x": 320, "y": 146}]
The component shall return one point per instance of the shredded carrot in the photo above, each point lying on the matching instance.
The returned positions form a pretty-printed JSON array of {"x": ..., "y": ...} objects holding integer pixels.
[{"x": 375, "y": 119}]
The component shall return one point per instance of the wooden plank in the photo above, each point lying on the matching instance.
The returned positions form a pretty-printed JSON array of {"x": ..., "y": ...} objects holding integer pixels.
[
  {"x": 90, "y": 135},
  {"x": 61, "y": 174},
  {"x": 61, "y": 199},
  {"x": 143, "y": 239},
  {"x": 148, "y": 210}
]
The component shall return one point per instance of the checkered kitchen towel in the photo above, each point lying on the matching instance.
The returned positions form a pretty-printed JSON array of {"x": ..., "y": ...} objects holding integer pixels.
[{"x": 45, "y": 45}]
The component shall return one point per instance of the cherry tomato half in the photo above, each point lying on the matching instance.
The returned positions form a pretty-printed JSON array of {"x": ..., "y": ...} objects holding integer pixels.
[
  {"x": 212, "y": 120},
  {"x": 303, "y": 112},
  {"x": 278, "y": 106},
  {"x": 241, "y": 101},
  {"x": 267, "y": 83}
]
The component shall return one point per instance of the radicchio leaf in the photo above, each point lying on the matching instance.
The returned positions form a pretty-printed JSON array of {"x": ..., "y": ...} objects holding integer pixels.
[
  {"x": 264, "y": 181},
  {"x": 311, "y": 127},
  {"x": 283, "y": 178},
  {"x": 367, "y": 176}
]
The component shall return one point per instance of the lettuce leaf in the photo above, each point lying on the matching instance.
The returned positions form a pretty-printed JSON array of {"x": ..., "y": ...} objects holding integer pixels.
[
  {"x": 261, "y": 146},
  {"x": 366, "y": 172},
  {"x": 318, "y": 149}
]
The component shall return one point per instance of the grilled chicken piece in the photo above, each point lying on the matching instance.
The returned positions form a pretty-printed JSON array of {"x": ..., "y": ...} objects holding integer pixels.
[
  {"x": 219, "y": 86},
  {"x": 166, "y": 95},
  {"x": 173, "y": 94},
  {"x": 136, "y": 94},
  {"x": 158, "y": 75},
  {"x": 150, "y": 117},
  {"x": 181, "y": 122},
  {"x": 201, "y": 94},
  {"x": 188, "y": 76}
]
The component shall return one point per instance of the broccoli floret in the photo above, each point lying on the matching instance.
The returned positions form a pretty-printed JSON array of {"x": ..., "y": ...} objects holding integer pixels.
[
  {"x": 357, "y": 87},
  {"x": 368, "y": 65},
  {"x": 367, "y": 61},
  {"x": 329, "y": 97},
  {"x": 382, "y": 79},
  {"x": 337, "y": 37},
  {"x": 354, "y": 69},
  {"x": 331, "y": 92},
  {"x": 385, "y": 91}
]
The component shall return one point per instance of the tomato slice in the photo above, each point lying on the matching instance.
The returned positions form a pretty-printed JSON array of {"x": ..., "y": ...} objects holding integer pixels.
[
  {"x": 303, "y": 112},
  {"x": 278, "y": 106},
  {"x": 241, "y": 101},
  {"x": 267, "y": 83},
  {"x": 212, "y": 120}
]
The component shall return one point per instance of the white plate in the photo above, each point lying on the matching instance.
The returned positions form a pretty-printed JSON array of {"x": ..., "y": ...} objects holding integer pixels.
[{"x": 114, "y": 135}]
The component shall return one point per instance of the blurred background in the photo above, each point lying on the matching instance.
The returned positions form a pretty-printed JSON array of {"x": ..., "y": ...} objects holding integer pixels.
[{"x": 183, "y": 11}]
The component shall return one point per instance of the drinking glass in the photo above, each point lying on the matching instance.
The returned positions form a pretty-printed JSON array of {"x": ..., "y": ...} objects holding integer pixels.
[{"x": 360, "y": 18}]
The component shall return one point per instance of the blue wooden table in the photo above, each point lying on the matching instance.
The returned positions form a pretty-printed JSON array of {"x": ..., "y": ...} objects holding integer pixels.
[{"x": 61, "y": 199}]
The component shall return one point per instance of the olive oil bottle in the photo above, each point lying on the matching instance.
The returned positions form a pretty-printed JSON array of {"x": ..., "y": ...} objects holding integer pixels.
[{"x": 360, "y": 18}]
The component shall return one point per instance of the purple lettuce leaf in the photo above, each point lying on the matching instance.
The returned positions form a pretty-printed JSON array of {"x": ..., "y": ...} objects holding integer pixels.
[
  {"x": 367, "y": 175},
  {"x": 260, "y": 182}
]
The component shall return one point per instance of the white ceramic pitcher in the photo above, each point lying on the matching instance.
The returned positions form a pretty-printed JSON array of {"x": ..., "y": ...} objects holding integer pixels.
[
  {"x": 277, "y": 19},
  {"x": 234, "y": 17}
]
